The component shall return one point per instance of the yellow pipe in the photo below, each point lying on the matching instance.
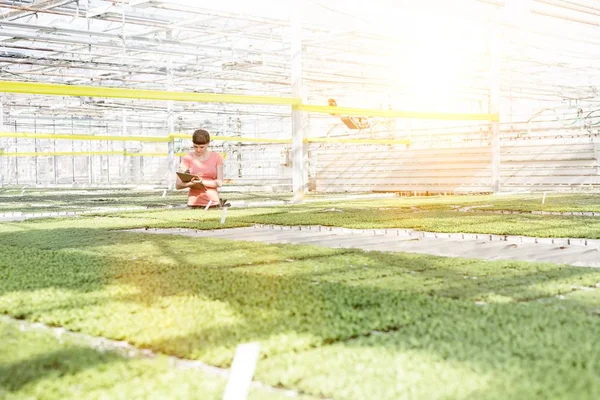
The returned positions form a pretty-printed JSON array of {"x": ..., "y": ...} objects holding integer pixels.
[
  {"x": 357, "y": 141},
  {"x": 63, "y": 153},
  {"x": 90, "y": 153},
  {"x": 22, "y": 135},
  {"x": 365, "y": 112},
  {"x": 235, "y": 139},
  {"x": 182, "y": 154},
  {"x": 142, "y": 94},
  {"x": 27, "y": 135},
  {"x": 82, "y": 153},
  {"x": 146, "y": 154}
]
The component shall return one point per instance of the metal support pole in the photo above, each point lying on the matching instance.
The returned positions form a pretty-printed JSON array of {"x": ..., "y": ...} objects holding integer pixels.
[
  {"x": 494, "y": 102},
  {"x": 1, "y": 168},
  {"x": 1, "y": 148},
  {"x": 139, "y": 173},
  {"x": 597, "y": 155},
  {"x": 238, "y": 132},
  {"x": 124, "y": 168},
  {"x": 35, "y": 150},
  {"x": 299, "y": 148},
  {"x": 54, "y": 163},
  {"x": 16, "y": 158},
  {"x": 170, "y": 123},
  {"x": 73, "y": 150},
  {"x": 90, "y": 157}
]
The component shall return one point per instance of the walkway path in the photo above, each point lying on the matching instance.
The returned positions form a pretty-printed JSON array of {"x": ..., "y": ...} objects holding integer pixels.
[{"x": 576, "y": 252}]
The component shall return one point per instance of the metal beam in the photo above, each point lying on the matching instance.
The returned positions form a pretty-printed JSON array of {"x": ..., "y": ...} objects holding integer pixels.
[
  {"x": 494, "y": 101},
  {"x": 36, "y": 5},
  {"x": 299, "y": 148}
]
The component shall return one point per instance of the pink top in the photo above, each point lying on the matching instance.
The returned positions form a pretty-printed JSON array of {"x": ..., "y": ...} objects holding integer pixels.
[{"x": 206, "y": 170}]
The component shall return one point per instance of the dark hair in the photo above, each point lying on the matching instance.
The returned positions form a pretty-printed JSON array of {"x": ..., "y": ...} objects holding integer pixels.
[{"x": 201, "y": 136}]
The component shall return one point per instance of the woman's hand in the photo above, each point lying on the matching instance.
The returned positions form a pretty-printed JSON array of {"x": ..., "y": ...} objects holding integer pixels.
[{"x": 196, "y": 183}]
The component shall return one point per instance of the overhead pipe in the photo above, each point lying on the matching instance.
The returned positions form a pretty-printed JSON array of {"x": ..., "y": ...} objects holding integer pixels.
[
  {"x": 312, "y": 76},
  {"x": 309, "y": 78},
  {"x": 125, "y": 68},
  {"x": 317, "y": 74},
  {"x": 242, "y": 32},
  {"x": 106, "y": 18},
  {"x": 154, "y": 42},
  {"x": 135, "y": 59},
  {"x": 231, "y": 15},
  {"x": 12, "y": 6},
  {"x": 147, "y": 107},
  {"x": 42, "y": 5},
  {"x": 263, "y": 20},
  {"x": 103, "y": 34},
  {"x": 92, "y": 42},
  {"x": 545, "y": 13},
  {"x": 571, "y": 19},
  {"x": 172, "y": 7},
  {"x": 572, "y": 6},
  {"x": 186, "y": 84},
  {"x": 153, "y": 52},
  {"x": 563, "y": 35}
]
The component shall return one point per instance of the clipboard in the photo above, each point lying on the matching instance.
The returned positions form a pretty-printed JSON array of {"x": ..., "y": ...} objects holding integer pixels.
[{"x": 186, "y": 177}]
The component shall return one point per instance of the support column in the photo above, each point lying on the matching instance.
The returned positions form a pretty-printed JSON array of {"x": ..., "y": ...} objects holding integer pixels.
[
  {"x": 299, "y": 148},
  {"x": 172, "y": 166},
  {"x": 16, "y": 162},
  {"x": 90, "y": 157},
  {"x": 1, "y": 147},
  {"x": 35, "y": 149},
  {"x": 72, "y": 151},
  {"x": 1, "y": 167},
  {"x": 124, "y": 165},
  {"x": 494, "y": 102}
]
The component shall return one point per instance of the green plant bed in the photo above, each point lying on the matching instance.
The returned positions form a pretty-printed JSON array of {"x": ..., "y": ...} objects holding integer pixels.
[
  {"x": 351, "y": 216},
  {"x": 53, "y": 201},
  {"x": 341, "y": 323},
  {"x": 392, "y": 213},
  {"x": 35, "y": 364},
  {"x": 37, "y": 203},
  {"x": 437, "y": 221},
  {"x": 429, "y": 214},
  {"x": 491, "y": 352},
  {"x": 521, "y": 202}
]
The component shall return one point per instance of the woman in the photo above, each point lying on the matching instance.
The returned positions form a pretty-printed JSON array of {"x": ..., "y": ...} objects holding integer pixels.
[{"x": 208, "y": 166}]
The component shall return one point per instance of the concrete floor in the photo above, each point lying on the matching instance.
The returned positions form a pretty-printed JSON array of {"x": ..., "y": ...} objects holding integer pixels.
[{"x": 576, "y": 252}]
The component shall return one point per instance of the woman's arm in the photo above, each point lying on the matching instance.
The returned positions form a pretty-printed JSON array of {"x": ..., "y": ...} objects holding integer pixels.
[
  {"x": 215, "y": 183},
  {"x": 179, "y": 184}
]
